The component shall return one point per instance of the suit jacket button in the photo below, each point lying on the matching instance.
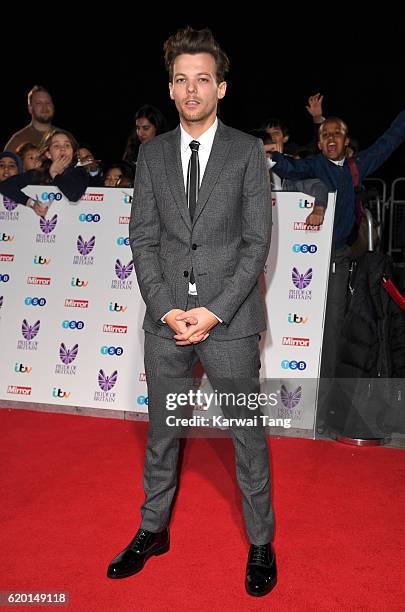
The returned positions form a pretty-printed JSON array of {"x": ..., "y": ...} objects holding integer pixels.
[
  {"x": 185, "y": 273},
  {"x": 194, "y": 247}
]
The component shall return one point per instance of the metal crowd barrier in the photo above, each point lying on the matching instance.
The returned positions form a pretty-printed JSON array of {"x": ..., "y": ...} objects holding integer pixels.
[
  {"x": 396, "y": 238},
  {"x": 377, "y": 202}
]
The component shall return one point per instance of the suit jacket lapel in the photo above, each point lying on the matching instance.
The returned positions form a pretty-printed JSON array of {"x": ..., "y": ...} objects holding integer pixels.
[
  {"x": 216, "y": 161},
  {"x": 174, "y": 173}
]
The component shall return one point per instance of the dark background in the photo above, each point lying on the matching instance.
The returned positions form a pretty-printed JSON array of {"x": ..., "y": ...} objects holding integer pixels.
[{"x": 100, "y": 73}]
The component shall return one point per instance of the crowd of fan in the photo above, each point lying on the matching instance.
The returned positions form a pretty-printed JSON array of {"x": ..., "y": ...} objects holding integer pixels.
[{"x": 41, "y": 151}]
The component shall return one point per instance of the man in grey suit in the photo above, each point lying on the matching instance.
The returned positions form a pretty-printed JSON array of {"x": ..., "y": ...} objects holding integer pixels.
[{"x": 200, "y": 234}]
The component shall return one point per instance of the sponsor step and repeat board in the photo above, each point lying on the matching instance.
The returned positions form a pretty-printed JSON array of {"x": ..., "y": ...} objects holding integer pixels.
[{"x": 71, "y": 312}]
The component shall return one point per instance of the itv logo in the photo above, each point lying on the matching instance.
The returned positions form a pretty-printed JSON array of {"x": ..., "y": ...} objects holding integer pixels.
[
  {"x": 77, "y": 282},
  {"x": 294, "y": 318},
  {"x": 22, "y": 369},
  {"x": 305, "y": 204},
  {"x": 6, "y": 237},
  {"x": 117, "y": 307},
  {"x": 60, "y": 393},
  {"x": 43, "y": 261}
]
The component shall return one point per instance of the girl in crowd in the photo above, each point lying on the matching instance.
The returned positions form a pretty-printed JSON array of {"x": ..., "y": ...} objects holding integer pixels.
[
  {"x": 58, "y": 156},
  {"x": 119, "y": 175},
  {"x": 29, "y": 154},
  {"x": 91, "y": 164},
  {"x": 149, "y": 122},
  {"x": 10, "y": 165}
]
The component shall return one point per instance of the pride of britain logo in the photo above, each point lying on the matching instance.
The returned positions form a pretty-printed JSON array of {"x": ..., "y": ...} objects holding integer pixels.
[
  {"x": 300, "y": 282},
  {"x": 10, "y": 214},
  {"x": 123, "y": 272},
  {"x": 9, "y": 204},
  {"x": 106, "y": 383},
  {"x": 85, "y": 247},
  {"x": 29, "y": 332},
  {"x": 67, "y": 356},
  {"x": 47, "y": 226},
  {"x": 290, "y": 401}
]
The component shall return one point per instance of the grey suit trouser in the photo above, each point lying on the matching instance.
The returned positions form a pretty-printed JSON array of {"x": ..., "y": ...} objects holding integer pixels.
[{"x": 233, "y": 367}]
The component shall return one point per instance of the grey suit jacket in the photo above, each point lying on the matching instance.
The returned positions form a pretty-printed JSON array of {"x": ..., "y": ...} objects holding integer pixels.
[{"x": 227, "y": 243}]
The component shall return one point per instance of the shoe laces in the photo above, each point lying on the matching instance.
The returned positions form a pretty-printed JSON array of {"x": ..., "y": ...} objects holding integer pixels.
[
  {"x": 259, "y": 555},
  {"x": 139, "y": 538}
]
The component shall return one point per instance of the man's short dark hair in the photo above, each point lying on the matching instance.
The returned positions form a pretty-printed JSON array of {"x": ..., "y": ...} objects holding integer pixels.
[
  {"x": 275, "y": 122},
  {"x": 264, "y": 136},
  {"x": 193, "y": 41}
]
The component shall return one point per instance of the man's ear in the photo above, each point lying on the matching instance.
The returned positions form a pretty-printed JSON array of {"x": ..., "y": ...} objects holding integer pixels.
[
  {"x": 319, "y": 145},
  {"x": 221, "y": 90},
  {"x": 171, "y": 90},
  {"x": 286, "y": 138}
]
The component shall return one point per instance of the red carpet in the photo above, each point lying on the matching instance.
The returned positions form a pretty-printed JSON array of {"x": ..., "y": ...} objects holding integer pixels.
[{"x": 71, "y": 489}]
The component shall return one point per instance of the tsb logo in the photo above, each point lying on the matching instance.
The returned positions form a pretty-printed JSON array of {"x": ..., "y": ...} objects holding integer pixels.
[
  {"x": 293, "y": 365},
  {"x": 72, "y": 324},
  {"x": 29, "y": 301},
  {"x": 142, "y": 400},
  {"x": 123, "y": 241},
  {"x": 4, "y": 278},
  {"x": 305, "y": 248},
  {"x": 111, "y": 350},
  {"x": 89, "y": 217},
  {"x": 51, "y": 196}
]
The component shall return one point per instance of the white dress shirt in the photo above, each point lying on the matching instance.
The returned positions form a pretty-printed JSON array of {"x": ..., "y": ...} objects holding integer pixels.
[{"x": 206, "y": 139}]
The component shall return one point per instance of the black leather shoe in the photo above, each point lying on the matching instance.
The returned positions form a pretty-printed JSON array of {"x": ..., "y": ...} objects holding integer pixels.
[
  {"x": 261, "y": 570},
  {"x": 132, "y": 559}
]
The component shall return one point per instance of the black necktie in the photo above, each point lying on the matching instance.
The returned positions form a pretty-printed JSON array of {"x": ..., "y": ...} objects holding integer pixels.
[
  {"x": 193, "y": 184},
  {"x": 193, "y": 178}
]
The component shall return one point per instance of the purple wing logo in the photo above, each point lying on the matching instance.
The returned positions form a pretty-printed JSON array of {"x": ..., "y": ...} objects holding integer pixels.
[
  {"x": 30, "y": 331},
  {"x": 48, "y": 225},
  {"x": 85, "y": 246},
  {"x": 290, "y": 398},
  {"x": 301, "y": 280},
  {"x": 123, "y": 271},
  {"x": 106, "y": 383},
  {"x": 9, "y": 204},
  {"x": 68, "y": 355}
]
